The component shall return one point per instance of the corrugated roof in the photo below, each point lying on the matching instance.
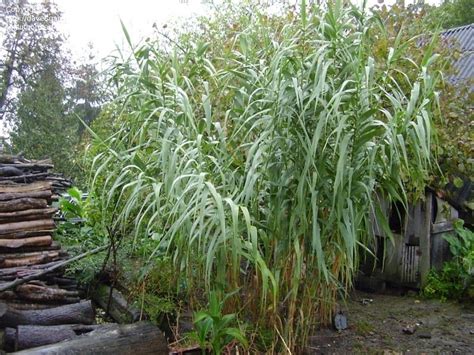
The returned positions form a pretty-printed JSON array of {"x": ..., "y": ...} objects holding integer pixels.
[{"x": 464, "y": 37}]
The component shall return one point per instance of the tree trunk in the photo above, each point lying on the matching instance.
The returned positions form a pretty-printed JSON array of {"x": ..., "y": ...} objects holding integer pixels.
[
  {"x": 75, "y": 313},
  {"x": 136, "y": 338}
]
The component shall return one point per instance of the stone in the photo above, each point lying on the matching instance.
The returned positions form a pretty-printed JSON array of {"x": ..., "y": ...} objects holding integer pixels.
[
  {"x": 424, "y": 335},
  {"x": 340, "y": 321},
  {"x": 409, "y": 329}
]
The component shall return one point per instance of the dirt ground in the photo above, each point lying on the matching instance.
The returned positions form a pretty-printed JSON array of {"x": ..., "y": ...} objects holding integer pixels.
[{"x": 381, "y": 324}]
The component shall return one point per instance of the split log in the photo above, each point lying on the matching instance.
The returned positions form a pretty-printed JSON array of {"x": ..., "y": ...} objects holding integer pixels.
[
  {"x": 18, "y": 188},
  {"x": 22, "y": 204},
  {"x": 27, "y": 215},
  {"x": 22, "y": 306},
  {"x": 136, "y": 338},
  {"x": 41, "y": 224},
  {"x": 46, "y": 194},
  {"x": 10, "y": 171},
  {"x": 23, "y": 177},
  {"x": 24, "y": 270},
  {"x": 43, "y": 293},
  {"x": 64, "y": 281},
  {"x": 11, "y": 159},
  {"x": 75, "y": 313},
  {"x": 14, "y": 260},
  {"x": 26, "y": 234},
  {"x": 19, "y": 255},
  {"x": 34, "y": 166},
  {"x": 31, "y": 249},
  {"x": 115, "y": 304},
  {"x": 44, "y": 240}
]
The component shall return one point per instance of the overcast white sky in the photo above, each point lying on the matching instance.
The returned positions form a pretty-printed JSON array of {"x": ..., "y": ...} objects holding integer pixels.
[{"x": 98, "y": 21}]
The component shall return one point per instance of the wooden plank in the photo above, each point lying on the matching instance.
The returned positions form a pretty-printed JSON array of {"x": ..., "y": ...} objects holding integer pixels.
[{"x": 425, "y": 239}]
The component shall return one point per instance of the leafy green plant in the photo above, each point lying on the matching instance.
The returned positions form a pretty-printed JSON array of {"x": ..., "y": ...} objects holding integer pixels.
[
  {"x": 214, "y": 329},
  {"x": 85, "y": 270},
  {"x": 455, "y": 279},
  {"x": 462, "y": 247},
  {"x": 253, "y": 155},
  {"x": 76, "y": 233},
  {"x": 72, "y": 205}
]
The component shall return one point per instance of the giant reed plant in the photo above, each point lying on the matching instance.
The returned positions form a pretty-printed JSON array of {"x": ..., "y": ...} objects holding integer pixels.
[{"x": 254, "y": 152}]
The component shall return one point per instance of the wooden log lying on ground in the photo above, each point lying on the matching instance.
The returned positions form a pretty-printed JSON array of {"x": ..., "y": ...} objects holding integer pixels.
[
  {"x": 30, "y": 336},
  {"x": 118, "y": 307},
  {"x": 81, "y": 312},
  {"x": 22, "y": 204},
  {"x": 136, "y": 338},
  {"x": 41, "y": 224}
]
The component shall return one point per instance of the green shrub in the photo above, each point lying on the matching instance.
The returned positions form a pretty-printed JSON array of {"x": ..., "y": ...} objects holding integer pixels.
[
  {"x": 215, "y": 330},
  {"x": 455, "y": 279}
]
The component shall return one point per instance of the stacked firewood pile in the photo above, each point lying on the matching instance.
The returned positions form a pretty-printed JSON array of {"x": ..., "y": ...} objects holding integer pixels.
[
  {"x": 39, "y": 306},
  {"x": 16, "y": 169},
  {"x": 27, "y": 190}
]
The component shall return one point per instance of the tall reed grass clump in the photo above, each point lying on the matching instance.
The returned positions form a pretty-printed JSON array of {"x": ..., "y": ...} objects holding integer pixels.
[{"x": 253, "y": 152}]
